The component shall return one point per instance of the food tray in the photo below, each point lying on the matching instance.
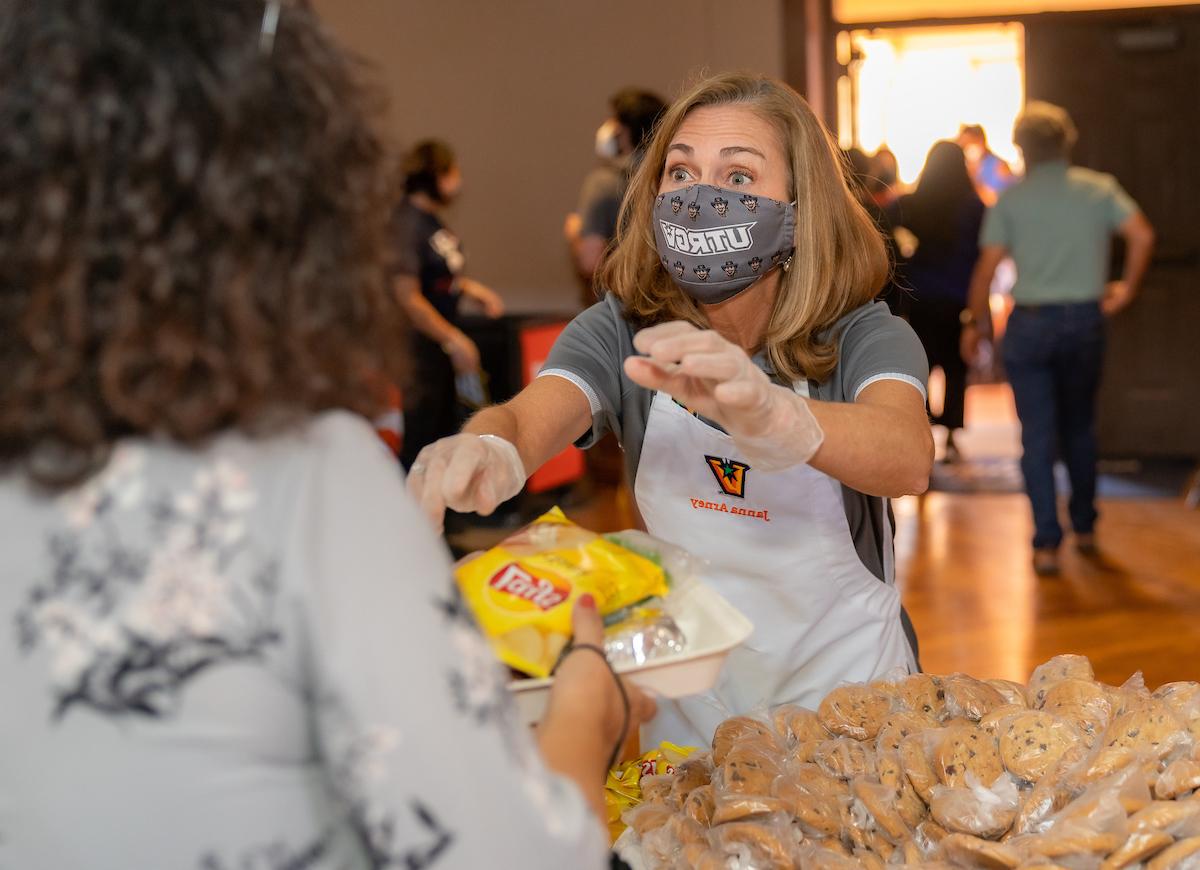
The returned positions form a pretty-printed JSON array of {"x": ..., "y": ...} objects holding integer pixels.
[{"x": 713, "y": 628}]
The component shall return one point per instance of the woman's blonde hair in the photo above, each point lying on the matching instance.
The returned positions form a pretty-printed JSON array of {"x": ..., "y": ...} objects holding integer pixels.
[{"x": 840, "y": 261}]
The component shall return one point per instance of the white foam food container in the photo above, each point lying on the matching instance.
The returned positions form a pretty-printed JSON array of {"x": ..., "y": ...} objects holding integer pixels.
[{"x": 712, "y": 628}]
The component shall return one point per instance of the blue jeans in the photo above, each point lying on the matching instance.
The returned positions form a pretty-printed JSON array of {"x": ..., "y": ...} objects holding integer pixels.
[{"x": 1053, "y": 355}]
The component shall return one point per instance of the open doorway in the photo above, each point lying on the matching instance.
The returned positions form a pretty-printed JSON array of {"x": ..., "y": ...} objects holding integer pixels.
[{"x": 906, "y": 88}]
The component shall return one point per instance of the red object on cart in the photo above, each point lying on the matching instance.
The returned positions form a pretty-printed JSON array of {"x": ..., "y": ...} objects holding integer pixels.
[{"x": 567, "y": 467}]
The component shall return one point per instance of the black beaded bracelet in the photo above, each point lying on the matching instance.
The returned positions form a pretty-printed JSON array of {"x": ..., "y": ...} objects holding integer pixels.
[{"x": 591, "y": 647}]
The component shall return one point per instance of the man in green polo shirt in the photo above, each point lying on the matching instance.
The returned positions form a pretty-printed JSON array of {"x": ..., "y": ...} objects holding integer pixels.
[{"x": 1057, "y": 225}]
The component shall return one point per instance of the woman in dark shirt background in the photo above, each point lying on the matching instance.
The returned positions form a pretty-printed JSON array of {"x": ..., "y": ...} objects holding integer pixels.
[
  {"x": 430, "y": 284},
  {"x": 944, "y": 214}
]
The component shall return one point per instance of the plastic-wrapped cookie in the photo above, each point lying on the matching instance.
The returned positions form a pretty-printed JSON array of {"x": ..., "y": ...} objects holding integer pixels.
[
  {"x": 733, "y": 807},
  {"x": 1057, "y": 669},
  {"x": 1031, "y": 743},
  {"x": 738, "y": 731},
  {"x": 1050, "y": 793},
  {"x": 880, "y": 803},
  {"x": 798, "y": 725},
  {"x": 967, "y": 750},
  {"x": 1014, "y": 693},
  {"x": 747, "y": 770},
  {"x": 982, "y": 812},
  {"x": 964, "y": 850},
  {"x": 769, "y": 845},
  {"x": 812, "y": 779},
  {"x": 1182, "y": 854},
  {"x": 1076, "y": 841},
  {"x": 825, "y": 855},
  {"x": 891, "y": 775},
  {"x": 854, "y": 711},
  {"x": 1180, "y": 777},
  {"x": 1137, "y": 848},
  {"x": 819, "y": 815},
  {"x": 898, "y": 726},
  {"x": 699, "y": 805},
  {"x": 648, "y": 816},
  {"x": 690, "y": 774},
  {"x": 914, "y": 758},
  {"x": 1152, "y": 732},
  {"x": 1085, "y": 704},
  {"x": 993, "y": 721},
  {"x": 1163, "y": 815},
  {"x": 804, "y": 753},
  {"x": 970, "y": 698},
  {"x": 845, "y": 758},
  {"x": 921, "y": 693},
  {"x": 1182, "y": 697}
]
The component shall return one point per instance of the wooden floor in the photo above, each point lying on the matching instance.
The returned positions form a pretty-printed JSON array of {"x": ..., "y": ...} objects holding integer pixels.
[{"x": 963, "y": 567}]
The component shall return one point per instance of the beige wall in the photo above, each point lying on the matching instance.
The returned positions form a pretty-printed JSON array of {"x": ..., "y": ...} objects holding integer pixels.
[{"x": 519, "y": 87}]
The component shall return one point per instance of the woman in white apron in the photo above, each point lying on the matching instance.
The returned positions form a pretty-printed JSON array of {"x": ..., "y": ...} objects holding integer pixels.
[{"x": 768, "y": 408}]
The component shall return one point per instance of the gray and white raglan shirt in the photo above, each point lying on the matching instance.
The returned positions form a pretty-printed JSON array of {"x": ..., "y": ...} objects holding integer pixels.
[
  {"x": 250, "y": 657},
  {"x": 873, "y": 345}
]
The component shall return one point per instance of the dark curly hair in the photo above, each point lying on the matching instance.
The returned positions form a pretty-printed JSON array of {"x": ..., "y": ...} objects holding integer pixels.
[{"x": 192, "y": 228}]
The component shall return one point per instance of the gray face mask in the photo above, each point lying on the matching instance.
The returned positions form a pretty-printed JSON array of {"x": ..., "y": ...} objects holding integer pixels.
[{"x": 716, "y": 242}]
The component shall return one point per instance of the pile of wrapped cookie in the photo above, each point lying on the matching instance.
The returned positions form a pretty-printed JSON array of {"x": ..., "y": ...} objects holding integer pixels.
[{"x": 947, "y": 771}]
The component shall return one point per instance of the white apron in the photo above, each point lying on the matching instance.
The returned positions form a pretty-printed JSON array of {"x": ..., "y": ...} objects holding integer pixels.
[{"x": 780, "y": 550}]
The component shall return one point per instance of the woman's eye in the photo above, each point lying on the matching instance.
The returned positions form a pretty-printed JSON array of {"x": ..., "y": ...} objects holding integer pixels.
[
  {"x": 678, "y": 173},
  {"x": 740, "y": 178}
]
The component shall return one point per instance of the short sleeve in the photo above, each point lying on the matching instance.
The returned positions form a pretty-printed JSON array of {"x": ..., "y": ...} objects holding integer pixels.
[
  {"x": 878, "y": 346},
  {"x": 406, "y": 244},
  {"x": 1119, "y": 205},
  {"x": 600, "y": 202},
  {"x": 413, "y": 720},
  {"x": 590, "y": 353},
  {"x": 996, "y": 228}
]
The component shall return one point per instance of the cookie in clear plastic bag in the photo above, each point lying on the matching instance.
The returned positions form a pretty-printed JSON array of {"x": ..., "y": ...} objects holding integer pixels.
[{"x": 984, "y": 811}]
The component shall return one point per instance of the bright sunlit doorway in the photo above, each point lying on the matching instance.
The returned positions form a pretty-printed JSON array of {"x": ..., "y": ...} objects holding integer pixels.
[{"x": 906, "y": 88}]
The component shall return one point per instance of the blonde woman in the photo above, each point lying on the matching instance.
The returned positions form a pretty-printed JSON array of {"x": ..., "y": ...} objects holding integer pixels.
[{"x": 768, "y": 408}]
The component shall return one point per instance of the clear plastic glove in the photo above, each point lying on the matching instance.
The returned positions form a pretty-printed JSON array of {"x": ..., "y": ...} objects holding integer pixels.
[
  {"x": 773, "y": 427},
  {"x": 467, "y": 473}
]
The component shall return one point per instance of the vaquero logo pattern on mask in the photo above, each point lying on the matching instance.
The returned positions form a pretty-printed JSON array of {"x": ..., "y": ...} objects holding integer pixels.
[
  {"x": 723, "y": 240},
  {"x": 714, "y": 243}
]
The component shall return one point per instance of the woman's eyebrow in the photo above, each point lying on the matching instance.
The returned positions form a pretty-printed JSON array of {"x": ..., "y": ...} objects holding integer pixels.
[
  {"x": 679, "y": 146},
  {"x": 734, "y": 149}
]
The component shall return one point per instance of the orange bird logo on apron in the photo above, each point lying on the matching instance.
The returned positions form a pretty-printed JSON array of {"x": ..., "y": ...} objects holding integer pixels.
[{"x": 730, "y": 474}]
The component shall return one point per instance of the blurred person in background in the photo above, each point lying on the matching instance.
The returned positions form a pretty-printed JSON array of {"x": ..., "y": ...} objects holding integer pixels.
[
  {"x": 944, "y": 214},
  {"x": 990, "y": 173},
  {"x": 430, "y": 283},
  {"x": 885, "y": 177},
  {"x": 861, "y": 179},
  {"x": 619, "y": 143},
  {"x": 1057, "y": 225},
  {"x": 228, "y": 638}
]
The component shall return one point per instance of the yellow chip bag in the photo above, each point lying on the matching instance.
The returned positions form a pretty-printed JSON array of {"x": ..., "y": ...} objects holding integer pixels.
[
  {"x": 623, "y": 788},
  {"x": 523, "y": 590}
]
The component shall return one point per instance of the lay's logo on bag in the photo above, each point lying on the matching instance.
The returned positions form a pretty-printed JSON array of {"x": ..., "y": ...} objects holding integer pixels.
[
  {"x": 514, "y": 582},
  {"x": 730, "y": 474}
]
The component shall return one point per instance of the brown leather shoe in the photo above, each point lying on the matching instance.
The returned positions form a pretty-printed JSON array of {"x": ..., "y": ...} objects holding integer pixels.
[
  {"x": 1045, "y": 561},
  {"x": 1086, "y": 544}
]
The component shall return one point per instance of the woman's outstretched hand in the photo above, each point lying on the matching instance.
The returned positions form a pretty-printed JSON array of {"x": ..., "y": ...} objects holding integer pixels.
[{"x": 715, "y": 378}]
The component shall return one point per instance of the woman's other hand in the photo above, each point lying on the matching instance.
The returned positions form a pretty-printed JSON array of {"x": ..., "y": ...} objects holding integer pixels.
[
  {"x": 467, "y": 473},
  {"x": 715, "y": 378}
]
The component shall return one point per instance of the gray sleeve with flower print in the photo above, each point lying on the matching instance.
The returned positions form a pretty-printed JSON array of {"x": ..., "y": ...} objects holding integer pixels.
[{"x": 250, "y": 658}]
